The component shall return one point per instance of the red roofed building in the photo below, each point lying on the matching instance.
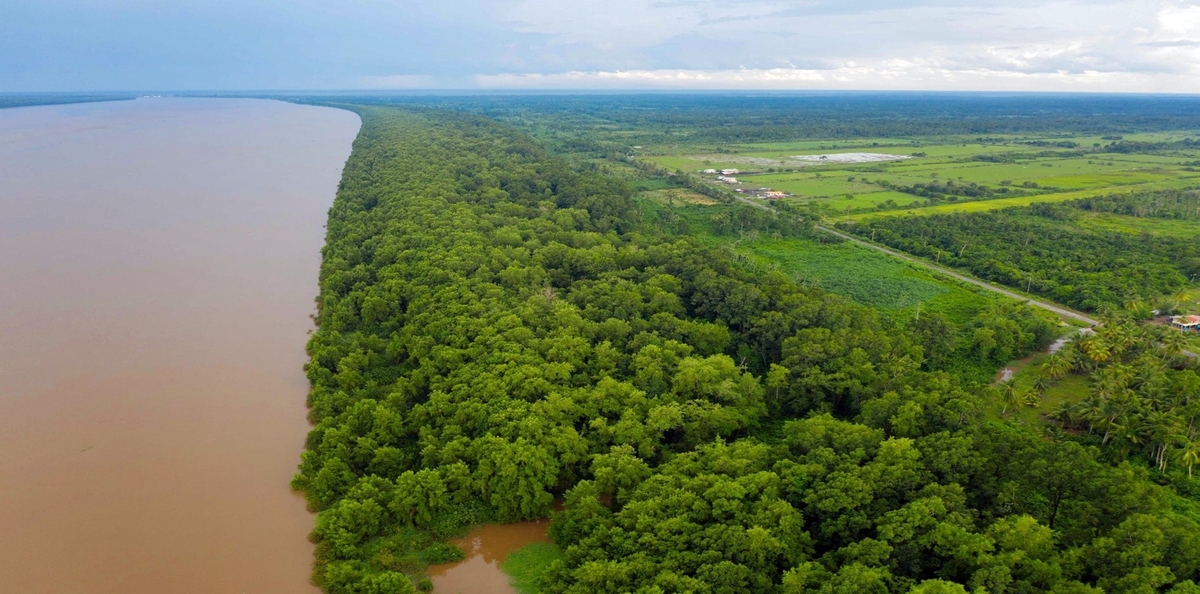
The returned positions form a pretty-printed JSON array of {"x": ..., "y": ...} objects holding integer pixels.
[{"x": 1186, "y": 323}]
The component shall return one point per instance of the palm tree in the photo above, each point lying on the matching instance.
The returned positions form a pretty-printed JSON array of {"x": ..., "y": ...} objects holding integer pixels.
[
  {"x": 1173, "y": 342},
  {"x": 1041, "y": 383},
  {"x": 1090, "y": 409},
  {"x": 1067, "y": 413},
  {"x": 1010, "y": 396},
  {"x": 1096, "y": 348},
  {"x": 1189, "y": 455},
  {"x": 1057, "y": 366},
  {"x": 1163, "y": 431}
]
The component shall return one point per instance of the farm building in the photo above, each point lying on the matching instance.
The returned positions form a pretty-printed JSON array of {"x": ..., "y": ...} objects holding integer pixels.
[
  {"x": 1186, "y": 323},
  {"x": 710, "y": 171},
  {"x": 727, "y": 179},
  {"x": 730, "y": 172},
  {"x": 774, "y": 195}
]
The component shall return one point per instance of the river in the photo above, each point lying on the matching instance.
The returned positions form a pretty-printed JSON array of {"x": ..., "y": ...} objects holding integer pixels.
[{"x": 158, "y": 264}]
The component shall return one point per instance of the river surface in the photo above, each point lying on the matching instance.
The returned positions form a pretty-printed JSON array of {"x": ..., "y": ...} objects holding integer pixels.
[
  {"x": 486, "y": 548},
  {"x": 158, "y": 264}
]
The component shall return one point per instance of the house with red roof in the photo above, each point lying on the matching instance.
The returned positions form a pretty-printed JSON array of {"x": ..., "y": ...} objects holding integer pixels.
[{"x": 1186, "y": 323}]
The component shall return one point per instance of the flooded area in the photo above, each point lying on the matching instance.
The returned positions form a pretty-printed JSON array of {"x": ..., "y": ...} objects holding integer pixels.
[
  {"x": 486, "y": 547},
  {"x": 849, "y": 158},
  {"x": 158, "y": 264}
]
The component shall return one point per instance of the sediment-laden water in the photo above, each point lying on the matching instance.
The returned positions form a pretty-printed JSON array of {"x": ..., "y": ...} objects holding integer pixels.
[
  {"x": 158, "y": 264},
  {"x": 486, "y": 548}
]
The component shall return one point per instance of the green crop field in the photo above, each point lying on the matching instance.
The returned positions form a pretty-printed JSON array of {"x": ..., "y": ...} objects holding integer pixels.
[{"x": 871, "y": 278}]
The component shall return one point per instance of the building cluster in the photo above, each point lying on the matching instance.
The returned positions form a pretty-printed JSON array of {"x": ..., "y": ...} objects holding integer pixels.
[{"x": 726, "y": 176}]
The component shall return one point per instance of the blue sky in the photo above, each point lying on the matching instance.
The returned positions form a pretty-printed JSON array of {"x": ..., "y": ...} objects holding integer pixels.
[{"x": 1098, "y": 45}]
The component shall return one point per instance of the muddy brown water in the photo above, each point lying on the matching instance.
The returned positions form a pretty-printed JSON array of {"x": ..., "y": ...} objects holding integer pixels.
[
  {"x": 486, "y": 548},
  {"x": 158, "y": 264}
]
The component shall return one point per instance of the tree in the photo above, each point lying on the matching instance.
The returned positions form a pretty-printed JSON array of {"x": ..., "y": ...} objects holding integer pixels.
[
  {"x": 1189, "y": 455},
  {"x": 1011, "y": 395}
]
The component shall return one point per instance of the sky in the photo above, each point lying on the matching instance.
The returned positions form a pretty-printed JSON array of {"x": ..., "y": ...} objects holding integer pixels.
[{"x": 996, "y": 45}]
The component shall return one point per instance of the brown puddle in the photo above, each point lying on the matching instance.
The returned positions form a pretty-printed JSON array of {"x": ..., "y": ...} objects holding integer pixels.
[
  {"x": 158, "y": 263},
  {"x": 486, "y": 547}
]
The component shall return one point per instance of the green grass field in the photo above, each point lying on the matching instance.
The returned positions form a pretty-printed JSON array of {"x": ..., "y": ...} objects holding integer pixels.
[
  {"x": 1072, "y": 388},
  {"x": 871, "y": 278},
  {"x": 525, "y": 566}
]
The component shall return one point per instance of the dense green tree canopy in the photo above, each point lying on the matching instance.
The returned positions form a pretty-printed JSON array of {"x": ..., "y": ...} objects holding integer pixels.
[{"x": 498, "y": 330}]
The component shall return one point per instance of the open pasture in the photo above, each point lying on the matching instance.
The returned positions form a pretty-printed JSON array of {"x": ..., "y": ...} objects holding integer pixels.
[{"x": 871, "y": 278}]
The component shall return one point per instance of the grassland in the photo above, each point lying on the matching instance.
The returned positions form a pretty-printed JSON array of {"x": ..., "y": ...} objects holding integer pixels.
[
  {"x": 871, "y": 278},
  {"x": 525, "y": 566},
  {"x": 1072, "y": 388}
]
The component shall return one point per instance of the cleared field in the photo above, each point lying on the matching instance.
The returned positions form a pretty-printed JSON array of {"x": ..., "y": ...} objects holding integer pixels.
[
  {"x": 1072, "y": 388},
  {"x": 820, "y": 145},
  {"x": 832, "y": 183},
  {"x": 671, "y": 196},
  {"x": 950, "y": 174},
  {"x": 872, "y": 278}
]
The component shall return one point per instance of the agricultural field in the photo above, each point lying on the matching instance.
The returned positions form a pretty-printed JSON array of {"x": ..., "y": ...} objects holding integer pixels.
[
  {"x": 872, "y": 278},
  {"x": 950, "y": 174}
]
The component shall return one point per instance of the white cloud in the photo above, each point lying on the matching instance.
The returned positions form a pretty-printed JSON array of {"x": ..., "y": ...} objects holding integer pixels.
[
  {"x": 894, "y": 74},
  {"x": 686, "y": 79},
  {"x": 1115, "y": 45},
  {"x": 396, "y": 81}
]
